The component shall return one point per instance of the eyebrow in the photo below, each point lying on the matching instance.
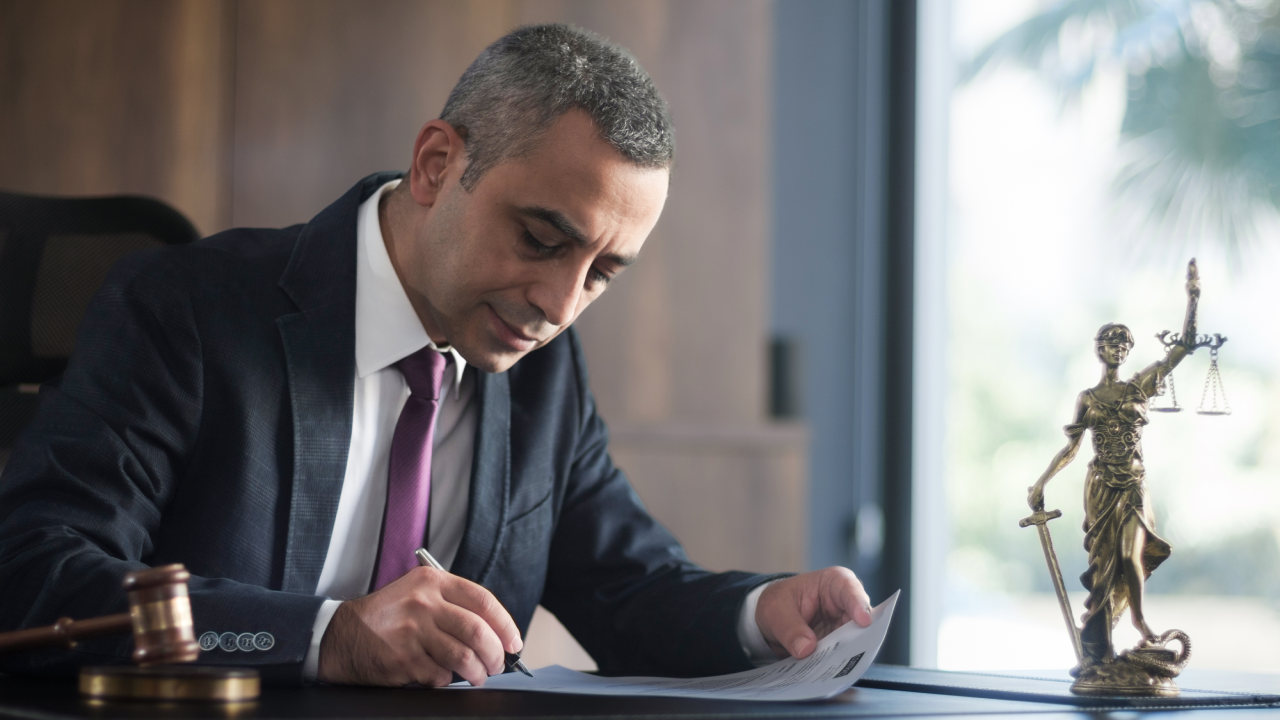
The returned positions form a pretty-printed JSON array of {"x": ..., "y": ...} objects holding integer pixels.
[{"x": 562, "y": 225}]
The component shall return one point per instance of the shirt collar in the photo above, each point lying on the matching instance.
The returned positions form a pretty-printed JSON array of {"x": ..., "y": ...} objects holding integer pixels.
[{"x": 387, "y": 327}]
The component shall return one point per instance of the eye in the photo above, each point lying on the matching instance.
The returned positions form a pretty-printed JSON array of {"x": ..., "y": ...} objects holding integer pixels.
[
  {"x": 595, "y": 277},
  {"x": 539, "y": 248}
]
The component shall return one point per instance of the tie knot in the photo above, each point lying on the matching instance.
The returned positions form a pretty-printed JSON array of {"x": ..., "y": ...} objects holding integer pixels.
[{"x": 424, "y": 371}]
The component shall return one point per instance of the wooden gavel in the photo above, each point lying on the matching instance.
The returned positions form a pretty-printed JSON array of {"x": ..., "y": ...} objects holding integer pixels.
[{"x": 159, "y": 615}]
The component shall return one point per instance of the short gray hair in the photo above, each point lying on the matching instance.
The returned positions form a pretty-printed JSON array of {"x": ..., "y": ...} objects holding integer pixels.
[{"x": 521, "y": 84}]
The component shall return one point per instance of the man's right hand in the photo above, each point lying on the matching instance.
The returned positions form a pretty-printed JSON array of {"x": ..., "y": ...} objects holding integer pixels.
[{"x": 420, "y": 629}]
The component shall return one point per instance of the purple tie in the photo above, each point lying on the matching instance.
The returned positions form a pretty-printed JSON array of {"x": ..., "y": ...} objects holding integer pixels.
[{"x": 409, "y": 475}]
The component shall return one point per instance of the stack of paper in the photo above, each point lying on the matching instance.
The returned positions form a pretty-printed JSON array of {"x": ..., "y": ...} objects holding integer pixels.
[{"x": 837, "y": 663}]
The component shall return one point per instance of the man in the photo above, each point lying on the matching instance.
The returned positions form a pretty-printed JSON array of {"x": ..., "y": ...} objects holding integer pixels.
[{"x": 291, "y": 412}]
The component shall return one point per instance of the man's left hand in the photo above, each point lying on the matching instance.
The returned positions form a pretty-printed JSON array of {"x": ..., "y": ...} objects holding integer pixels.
[{"x": 794, "y": 613}]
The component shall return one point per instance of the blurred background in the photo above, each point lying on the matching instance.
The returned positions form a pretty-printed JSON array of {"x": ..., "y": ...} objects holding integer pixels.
[{"x": 863, "y": 319}]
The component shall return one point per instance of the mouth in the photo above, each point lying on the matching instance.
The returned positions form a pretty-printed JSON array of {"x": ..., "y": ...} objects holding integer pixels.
[{"x": 509, "y": 335}]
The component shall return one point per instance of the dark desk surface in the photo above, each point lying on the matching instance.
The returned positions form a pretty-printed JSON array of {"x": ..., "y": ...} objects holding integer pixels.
[{"x": 885, "y": 692}]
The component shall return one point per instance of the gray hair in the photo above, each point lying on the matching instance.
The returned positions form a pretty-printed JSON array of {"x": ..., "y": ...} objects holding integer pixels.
[{"x": 521, "y": 84}]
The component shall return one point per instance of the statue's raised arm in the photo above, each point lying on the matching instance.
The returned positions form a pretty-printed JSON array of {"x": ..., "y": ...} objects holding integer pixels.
[
  {"x": 1189, "y": 322},
  {"x": 1185, "y": 343}
]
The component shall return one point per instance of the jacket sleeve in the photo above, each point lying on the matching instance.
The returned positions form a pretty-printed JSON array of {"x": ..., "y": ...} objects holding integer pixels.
[
  {"x": 83, "y": 492},
  {"x": 621, "y": 583}
]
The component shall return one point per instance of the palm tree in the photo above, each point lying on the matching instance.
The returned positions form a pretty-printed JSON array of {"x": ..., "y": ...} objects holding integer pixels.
[{"x": 1201, "y": 131}]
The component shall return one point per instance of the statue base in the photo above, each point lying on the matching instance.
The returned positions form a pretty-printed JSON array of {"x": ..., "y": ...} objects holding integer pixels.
[
  {"x": 1142, "y": 672},
  {"x": 1118, "y": 677}
]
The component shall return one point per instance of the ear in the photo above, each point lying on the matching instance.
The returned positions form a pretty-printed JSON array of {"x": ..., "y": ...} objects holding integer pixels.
[{"x": 439, "y": 156}]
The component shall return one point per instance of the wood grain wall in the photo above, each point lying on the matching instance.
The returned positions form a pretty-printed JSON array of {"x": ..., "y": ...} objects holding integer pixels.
[
  {"x": 119, "y": 96},
  {"x": 261, "y": 112}
]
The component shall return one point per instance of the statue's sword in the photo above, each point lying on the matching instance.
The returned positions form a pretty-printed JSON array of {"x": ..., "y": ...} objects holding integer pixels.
[{"x": 1041, "y": 519}]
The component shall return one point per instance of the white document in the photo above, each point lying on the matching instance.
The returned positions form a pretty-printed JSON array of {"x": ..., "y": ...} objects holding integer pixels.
[{"x": 837, "y": 663}]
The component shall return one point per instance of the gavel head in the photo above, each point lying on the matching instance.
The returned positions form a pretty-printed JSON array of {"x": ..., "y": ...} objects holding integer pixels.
[{"x": 163, "y": 631}]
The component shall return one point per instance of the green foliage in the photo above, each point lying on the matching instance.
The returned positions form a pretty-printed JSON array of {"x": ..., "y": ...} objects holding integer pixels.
[{"x": 1202, "y": 117}]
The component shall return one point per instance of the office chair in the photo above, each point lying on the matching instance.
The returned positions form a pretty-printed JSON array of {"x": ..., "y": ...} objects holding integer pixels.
[{"x": 54, "y": 253}]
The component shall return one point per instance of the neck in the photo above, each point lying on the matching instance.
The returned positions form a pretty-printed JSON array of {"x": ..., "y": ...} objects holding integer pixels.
[
  {"x": 396, "y": 222},
  {"x": 1110, "y": 374}
]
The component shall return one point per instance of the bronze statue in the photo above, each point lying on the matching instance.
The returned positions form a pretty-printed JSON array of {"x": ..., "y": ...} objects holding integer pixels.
[{"x": 1120, "y": 528}]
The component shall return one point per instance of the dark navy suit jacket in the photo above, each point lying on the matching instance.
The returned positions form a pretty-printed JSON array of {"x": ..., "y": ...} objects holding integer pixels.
[{"x": 205, "y": 418}]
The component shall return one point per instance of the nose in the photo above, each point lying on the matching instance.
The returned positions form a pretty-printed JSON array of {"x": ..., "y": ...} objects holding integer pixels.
[{"x": 558, "y": 295}]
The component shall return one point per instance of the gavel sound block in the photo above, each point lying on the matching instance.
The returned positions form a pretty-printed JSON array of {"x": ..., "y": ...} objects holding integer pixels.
[{"x": 163, "y": 635}]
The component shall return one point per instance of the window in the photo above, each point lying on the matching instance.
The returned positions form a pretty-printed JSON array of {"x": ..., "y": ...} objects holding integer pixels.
[{"x": 1076, "y": 195}]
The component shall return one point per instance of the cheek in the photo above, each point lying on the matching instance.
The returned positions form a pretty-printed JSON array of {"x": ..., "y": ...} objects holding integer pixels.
[{"x": 475, "y": 269}]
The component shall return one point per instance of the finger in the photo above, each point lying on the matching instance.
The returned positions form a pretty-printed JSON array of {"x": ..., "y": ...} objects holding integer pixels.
[
  {"x": 452, "y": 655},
  {"x": 406, "y": 665},
  {"x": 480, "y": 601},
  {"x": 429, "y": 673},
  {"x": 473, "y": 632},
  {"x": 851, "y": 596}
]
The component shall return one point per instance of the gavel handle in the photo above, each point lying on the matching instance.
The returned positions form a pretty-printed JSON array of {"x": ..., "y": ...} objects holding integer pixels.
[{"x": 65, "y": 632}]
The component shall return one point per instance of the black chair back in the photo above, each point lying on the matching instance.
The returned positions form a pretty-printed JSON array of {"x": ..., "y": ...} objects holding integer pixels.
[{"x": 54, "y": 253}]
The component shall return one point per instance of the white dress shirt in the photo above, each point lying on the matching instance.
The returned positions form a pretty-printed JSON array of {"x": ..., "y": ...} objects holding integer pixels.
[{"x": 387, "y": 331}]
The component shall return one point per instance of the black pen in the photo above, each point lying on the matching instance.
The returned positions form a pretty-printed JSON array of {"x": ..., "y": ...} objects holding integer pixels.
[{"x": 513, "y": 660}]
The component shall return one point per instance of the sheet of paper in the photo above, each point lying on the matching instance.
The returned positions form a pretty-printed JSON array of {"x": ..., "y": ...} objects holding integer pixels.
[{"x": 840, "y": 659}]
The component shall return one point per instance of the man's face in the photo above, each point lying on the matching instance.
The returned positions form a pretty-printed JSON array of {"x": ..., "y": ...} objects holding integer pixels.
[{"x": 499, "y": 271}]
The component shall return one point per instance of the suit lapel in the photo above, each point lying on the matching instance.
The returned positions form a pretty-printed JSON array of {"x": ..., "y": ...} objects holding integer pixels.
[
  {"x": 319, "y": 349},
  {"x": 490, "y": 480},
  {"x": 321, "y": 395}
]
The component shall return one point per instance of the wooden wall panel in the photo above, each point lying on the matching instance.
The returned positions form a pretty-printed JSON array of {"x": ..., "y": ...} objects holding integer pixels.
[
  {"x": 118, "y": 96},
  {"x": 734, "y": 496},
  {"x": 328, "y": 91}
]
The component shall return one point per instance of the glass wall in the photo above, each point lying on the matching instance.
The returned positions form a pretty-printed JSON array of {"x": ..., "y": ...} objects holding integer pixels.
[{"x": 1091, "y": 155}]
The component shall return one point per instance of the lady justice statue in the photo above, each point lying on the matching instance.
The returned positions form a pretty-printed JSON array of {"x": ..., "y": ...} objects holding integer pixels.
[{"x": 1120, "y": 528}]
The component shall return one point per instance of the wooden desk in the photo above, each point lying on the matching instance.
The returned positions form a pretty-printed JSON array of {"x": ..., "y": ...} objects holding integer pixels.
[{"x": 932, "y": 694}]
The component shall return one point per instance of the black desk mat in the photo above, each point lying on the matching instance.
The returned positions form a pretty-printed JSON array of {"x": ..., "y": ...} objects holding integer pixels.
[
  {"x": 1199, "y": 690},
  {"x": 58, "y": 700},
  {"x": 914, "y": 693}
]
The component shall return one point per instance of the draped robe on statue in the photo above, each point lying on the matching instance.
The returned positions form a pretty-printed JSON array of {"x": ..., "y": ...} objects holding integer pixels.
[{"x": 1115, "y": 490}]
